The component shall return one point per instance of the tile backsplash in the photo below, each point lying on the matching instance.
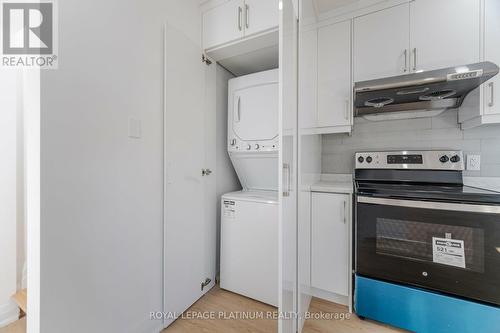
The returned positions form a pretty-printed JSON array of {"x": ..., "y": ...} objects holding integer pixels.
[{"x": 440, "y": 132}]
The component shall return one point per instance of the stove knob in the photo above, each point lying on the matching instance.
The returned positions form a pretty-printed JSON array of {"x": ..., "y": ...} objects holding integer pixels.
[
  {"x": 257, "y": 146},
  {"x": 444, "y": 159},
  {"x": 369, "y": 159},
  {"x": 361, "y": 159},
  {"x": 455, "y": 159},
  {"x": 249, "y": 147}
]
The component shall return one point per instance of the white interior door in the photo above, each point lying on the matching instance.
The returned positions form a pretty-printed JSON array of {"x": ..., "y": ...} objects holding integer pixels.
[
  {"x": 444, "y": 33},
  {"x": 288, "y": 163},
  {"x": 184, "y": 133},
  {"x": 381, "y": 42}
]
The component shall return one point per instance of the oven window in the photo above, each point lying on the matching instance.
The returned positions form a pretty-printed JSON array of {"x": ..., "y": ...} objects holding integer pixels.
[{"x": 420, "y": 241}]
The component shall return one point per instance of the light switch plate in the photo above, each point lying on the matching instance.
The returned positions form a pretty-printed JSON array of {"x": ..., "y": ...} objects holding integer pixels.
[
  {"x": 134, "y": 128},
  {"x": 474, "y": 162}
]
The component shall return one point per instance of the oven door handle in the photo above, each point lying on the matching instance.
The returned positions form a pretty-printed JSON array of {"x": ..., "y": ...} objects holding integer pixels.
[{"x": 457, "y": 207}]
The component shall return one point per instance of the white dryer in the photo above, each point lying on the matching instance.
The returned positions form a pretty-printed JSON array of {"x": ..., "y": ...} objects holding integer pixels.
[{"x": 249, "y": 226}]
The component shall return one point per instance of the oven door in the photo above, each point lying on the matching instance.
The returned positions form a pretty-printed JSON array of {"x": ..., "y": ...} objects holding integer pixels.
[{"x": 448, "y": 247}]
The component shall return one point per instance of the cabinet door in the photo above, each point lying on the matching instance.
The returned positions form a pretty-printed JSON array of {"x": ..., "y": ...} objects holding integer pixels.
[
  {"x": 260, "y": 15},
  {"x": 444, "y": 33},
  {"x": 381, "y": 42},
  {"x": 330, "y": 244},
  {"x": 334, "y": 75},
  {"x": 308, "y": 73},
  {"x": 492, "y": 53},
  {"x": 223, "y": 24}
]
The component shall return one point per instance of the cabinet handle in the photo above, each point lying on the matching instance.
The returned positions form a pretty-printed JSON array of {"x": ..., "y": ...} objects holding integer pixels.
[
  {"x": 247, "y": 16},
  {"x": 286, "y": 187},
  {"x": 406, "y": 60},
  {"x": 346, "y": 111},
  {"x": 240, "y": 12},
  {"x": 345, "y": 212},
  {"x": 492, "y": 94},
  {"x": 414, "y": 58}
]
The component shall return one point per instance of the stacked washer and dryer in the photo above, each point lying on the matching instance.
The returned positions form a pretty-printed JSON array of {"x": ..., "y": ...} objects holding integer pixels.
[{"x": 249, "y": 226}]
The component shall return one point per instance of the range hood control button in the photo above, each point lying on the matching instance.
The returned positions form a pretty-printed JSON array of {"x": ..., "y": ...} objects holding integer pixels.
[
  {"x": 455, "y": 159},
  {"x": 444, "y": 159},
  {"x": 369, "y": 159},
  {"x": 361, "y": 159}
]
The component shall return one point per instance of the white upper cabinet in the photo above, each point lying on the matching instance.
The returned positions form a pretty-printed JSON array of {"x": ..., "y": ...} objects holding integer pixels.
[
  {"x": 224, "y": 23},
  {"x": 418, "y": 36},
  {"x": 444, "y": 33},
  {"x": 492, "y": 53},
  {"x": 381, "y": 42},
  {"x": 260, "y": 15},
  {"x": 236, "y": 19},
  {"x": 334, "y": 75}
]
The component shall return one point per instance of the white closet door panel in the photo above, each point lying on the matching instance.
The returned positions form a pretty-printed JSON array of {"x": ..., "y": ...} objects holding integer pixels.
[{"x": 185, "y": 243}]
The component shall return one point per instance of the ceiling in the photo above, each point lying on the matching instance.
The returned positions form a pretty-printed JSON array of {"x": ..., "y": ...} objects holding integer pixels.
[{"x": 323, "y": 6}]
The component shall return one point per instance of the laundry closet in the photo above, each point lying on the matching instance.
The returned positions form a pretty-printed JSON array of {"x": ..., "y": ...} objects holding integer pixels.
[{"x": 222, "y": 155}]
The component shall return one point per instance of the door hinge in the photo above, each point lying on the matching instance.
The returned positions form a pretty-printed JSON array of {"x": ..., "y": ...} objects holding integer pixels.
[
  {"x": 205, "y": 59},
  {"x": 205, "y": 283}
]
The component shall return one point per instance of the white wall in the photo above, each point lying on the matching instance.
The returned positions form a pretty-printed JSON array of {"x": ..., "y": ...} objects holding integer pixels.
[
  {"x": 8, "y": 194},
  {"x": 101, "y": 192},
  {"x": 227, "y": 179}
]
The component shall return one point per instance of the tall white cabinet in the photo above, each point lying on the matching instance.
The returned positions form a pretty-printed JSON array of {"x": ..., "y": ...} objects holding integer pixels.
[{"x": 334, "y": 76}]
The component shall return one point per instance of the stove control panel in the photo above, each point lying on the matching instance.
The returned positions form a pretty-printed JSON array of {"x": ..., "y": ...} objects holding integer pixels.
[{"x": 411, "y": 160}]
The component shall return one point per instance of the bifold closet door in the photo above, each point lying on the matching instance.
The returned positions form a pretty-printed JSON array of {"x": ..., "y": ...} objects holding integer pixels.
[
  {"x": 288, "y": 166},
  {"x": 188, "y": 245}
]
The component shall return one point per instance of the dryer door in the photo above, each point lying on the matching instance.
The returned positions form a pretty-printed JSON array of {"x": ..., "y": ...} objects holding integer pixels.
[{"x": 255, "y": 112}]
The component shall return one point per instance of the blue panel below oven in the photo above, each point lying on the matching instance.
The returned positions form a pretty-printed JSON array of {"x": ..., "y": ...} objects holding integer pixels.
[{"x": 422, "y": 311}]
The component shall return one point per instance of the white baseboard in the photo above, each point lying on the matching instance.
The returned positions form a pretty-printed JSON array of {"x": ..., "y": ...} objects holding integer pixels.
[{"x": 9, "y": 313}]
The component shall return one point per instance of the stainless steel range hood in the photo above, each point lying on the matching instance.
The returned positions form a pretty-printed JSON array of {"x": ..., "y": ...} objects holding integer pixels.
[{"x": 432, "y": 90}]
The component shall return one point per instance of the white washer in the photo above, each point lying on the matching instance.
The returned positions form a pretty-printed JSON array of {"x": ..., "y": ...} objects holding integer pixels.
[
  {"x": 249, "y": 244},
  {"x": 249, "y": 226}
]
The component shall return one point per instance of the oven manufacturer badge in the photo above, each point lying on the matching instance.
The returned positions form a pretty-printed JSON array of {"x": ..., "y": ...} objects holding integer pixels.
[{"x": 449, "y": 252}]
